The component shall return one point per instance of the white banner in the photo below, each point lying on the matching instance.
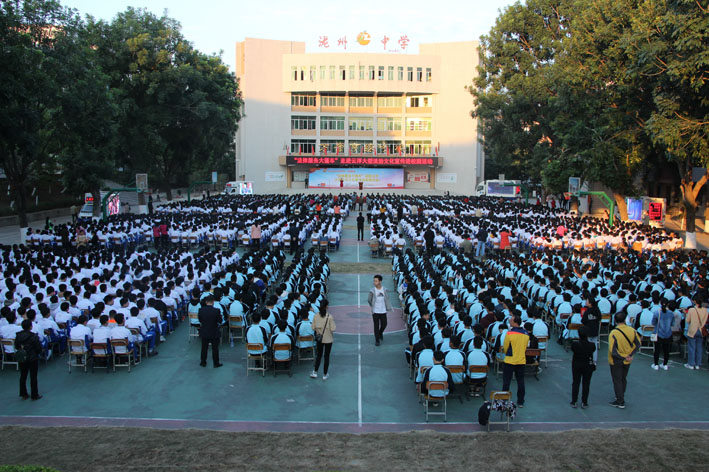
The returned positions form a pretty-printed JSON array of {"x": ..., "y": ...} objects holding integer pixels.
[
  {"x": 446, "y": 178},
  {"x": 417, "y": 176},
  {"x": 275, "y": 176}
]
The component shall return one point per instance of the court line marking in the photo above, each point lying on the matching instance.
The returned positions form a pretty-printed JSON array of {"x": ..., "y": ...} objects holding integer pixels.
[{"x": 359, "y": 354}]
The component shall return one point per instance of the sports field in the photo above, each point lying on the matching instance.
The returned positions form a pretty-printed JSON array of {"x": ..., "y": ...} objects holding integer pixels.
[{"x": 369, "y": 391}]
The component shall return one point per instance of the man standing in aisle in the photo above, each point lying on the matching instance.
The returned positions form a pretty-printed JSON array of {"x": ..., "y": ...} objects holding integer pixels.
[
  {"x": 623, "y": 343},
  {"x": 514, "y": 348},
  {"x": 360, "y": 227},
  {"x": 209, "y": 321},
  {"x": 379, "y": 303}
]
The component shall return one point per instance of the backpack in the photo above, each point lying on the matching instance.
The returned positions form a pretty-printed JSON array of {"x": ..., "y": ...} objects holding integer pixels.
[
  {"x": 484, "y": 414},
  {"x": 21, "y": 354}
]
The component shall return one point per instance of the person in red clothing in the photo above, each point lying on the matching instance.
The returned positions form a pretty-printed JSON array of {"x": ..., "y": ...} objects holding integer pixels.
[
  {"x": 504, "y": 239},
  {"x": 163, "y": 234},
  {"x": 342, "y": 183}
]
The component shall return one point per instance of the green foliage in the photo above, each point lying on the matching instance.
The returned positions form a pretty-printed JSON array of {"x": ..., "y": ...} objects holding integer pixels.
[{"x": 605, "y": 90}]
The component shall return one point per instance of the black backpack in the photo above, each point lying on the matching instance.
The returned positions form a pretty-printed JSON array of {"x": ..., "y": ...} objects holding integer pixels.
[{"x": 484, "y": 413}]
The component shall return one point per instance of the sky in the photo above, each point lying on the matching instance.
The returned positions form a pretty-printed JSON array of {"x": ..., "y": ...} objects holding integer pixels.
[{"x": 216, "y": 25}]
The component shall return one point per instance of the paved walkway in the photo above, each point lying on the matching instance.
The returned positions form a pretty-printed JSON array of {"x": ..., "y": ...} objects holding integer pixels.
[{"x": 369, "y": 387}]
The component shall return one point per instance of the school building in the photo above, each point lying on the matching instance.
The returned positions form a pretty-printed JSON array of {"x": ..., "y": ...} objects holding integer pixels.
[{"x": 329, "y": 119}]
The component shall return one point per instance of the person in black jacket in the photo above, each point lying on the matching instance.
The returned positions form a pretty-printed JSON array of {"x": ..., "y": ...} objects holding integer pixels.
[
  {"x": 209, "y": 320},
  {"x": 29, "y": 342},
  {"x": 360, "y": 227},
  {"x": 582, "y": 367}
]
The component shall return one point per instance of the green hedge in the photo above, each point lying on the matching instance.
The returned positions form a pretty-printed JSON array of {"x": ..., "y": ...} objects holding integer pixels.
[{"x": 25, "y": 468}]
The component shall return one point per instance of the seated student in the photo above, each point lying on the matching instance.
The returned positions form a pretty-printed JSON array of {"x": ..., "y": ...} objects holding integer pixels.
[
  {"x": 94, "y": 322},
  {"x": 539, "y": 328},
  {"x": 81, "y": 332},
  {"x": 147, "y": 335},
  {"x": 438, "y": 372},
  {"x": 455, "y": 357},
  {"x": 644, "y": 318},
  {"x": 257, "y": 334},
  {"x": 102, "y": 334},
  {"x": 121, "y": 332},
  {"x": 444, "y": 344},
  {"x": 575, "y": 318},
  {"x": 304, "y": 328},
  {"x": 282, "y": 336},
  {"x": 424, "y": 357},
  {"x": 478, "y": 357},
  {"x": 10, "y": 330}
]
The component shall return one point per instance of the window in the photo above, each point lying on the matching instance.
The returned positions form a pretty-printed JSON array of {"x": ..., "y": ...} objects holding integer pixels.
[
  {"x": 428, "y": 74},
  {"x": 333, "y": 70},
  {"x": 416, "y": 102},
  {"x": 302, "y": 73},
  {"x": 401, "y": 73},
  {"x": 342, "y": 73},
  {"x": 361, "y": 124},
  {"x": 294, "y": 71},
  {"x": 312, "y": 73},
  {"x": 388, "y": 124},
  {"x": 390, "y": 73},
  {"x": 419, "y": 74},
  {"x": 352, "y": 72},
  {"x": 361, "y": 72},
  {"x": 304, "y": 146},
  {"x": 333, "y": 146},
  {"x": 361, "y": 102},
  {"x": 380, "y": 74},
  {"x": 322, "y": 72},
  {"x": 332, "y": 123},
  {"x": 418, "y": 124},
  {"x": 388, "y": 102},
  {"x": 392, "y": 146},
  {"x": 298, "y": 100},
  {"x": 410, "y": 74},
  {"x": 418, "y": 147},
  {"x": 332, "y": 101},
  {"x": 371, "y": 72},
  {"x": 302, "y": 122}
]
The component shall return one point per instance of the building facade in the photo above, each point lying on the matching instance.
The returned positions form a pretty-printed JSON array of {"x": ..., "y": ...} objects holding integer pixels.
[{"x": 304, "y": 111}]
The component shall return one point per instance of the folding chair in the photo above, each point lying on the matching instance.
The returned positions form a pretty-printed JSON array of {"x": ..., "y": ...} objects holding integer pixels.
[
  {"x": 645, "y": 343},
  {"x": 388, "y": 249},
  {"x": 100, "y": 351},
  {"x": 439, "y": 387},
  {"x": 8, "y": 357},
  {"x": 333, "y": 243},
  {"x": 282, "y": 347},
  {"x": 236, "y": 323},
  {"x": 374, "y": 248},
  {"x": 142, "y": 346},
  {"x": 253, "y": 358},
  {"x": 545, "y": 354},
  {"x": 605, "y": 323},
  {"x": 118, "y": 357},
  {"x": 309, "y": 347},
  {"x": 458, "y": 369},
  {"x": 324, "y": 245},
  {"x": 78, "y": 351},
  {"x": 573, "y": 327},
  {"x": 193, "y": 332},
  {"x": 504, "y": 415},
  {"x": 533, "y": 367},
  {"x": 475, "y": 384}
]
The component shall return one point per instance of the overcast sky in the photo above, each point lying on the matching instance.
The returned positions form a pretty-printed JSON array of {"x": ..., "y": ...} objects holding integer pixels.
[{"x": 216, "y": 25}]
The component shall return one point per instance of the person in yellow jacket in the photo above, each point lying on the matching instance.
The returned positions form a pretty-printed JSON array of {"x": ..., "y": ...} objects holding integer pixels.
[
  {"x": 623, "y": 343},
  {"x": 514, "y": 348}
]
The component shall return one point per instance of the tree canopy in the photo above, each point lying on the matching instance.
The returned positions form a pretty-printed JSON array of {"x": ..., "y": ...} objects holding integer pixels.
[{"x": 92, "y": 100}]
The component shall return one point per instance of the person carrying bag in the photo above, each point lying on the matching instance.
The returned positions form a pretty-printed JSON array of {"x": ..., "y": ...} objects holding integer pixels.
[
  {"x": 27, "y": 351},
  {"x": 323, "y": 326},
  {"x": 695, "y": 330}
]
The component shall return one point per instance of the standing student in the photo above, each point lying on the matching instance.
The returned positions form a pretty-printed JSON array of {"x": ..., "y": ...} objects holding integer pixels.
[
  {"x": 209, "y": 320},
  {"x": 28, "y": 342},
  {"x": 323, "y": 325},
  {"x": 582, "y": 367},
  {"x": 378, "y": 300},
  {"x": 662, "y": 321},
  {"x": 694, "y": 322},
  {"x": 623, "y": 343}
]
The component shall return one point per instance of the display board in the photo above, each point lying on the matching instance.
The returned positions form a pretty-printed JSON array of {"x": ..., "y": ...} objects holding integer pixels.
[{"x": 370, "y": 178}]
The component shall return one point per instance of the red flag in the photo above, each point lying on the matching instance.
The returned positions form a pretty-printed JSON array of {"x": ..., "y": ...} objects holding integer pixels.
[
  {"x": 325, "y": 151},
  {"x": 387, "y": 151},
  {"x": 349, "y": 150},
  {"x": 399, "y": 147},
  {"x": 300, "y": 150},
  {"x": 337, "y": 151}
]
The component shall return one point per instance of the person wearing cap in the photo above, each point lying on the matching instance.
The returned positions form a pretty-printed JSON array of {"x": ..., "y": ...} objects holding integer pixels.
[{"x": 438, "y": 373}]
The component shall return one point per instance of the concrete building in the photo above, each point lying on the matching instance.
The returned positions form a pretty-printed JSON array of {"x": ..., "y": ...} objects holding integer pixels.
[{"x": 304, "y": 111}]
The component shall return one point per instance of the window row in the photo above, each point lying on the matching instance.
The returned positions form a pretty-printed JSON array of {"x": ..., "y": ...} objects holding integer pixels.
[
  {"x": 365, "y": 123},
  {"x": 413, "y": 74},
  {"x": 358, "y": 146},
  {"x": 361, "y": 101}
]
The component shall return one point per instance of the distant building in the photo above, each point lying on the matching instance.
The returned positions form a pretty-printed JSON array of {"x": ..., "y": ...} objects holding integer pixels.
[{"x": 357, "y": 111}]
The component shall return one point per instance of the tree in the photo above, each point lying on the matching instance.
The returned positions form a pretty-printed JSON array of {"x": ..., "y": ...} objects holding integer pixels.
[
  {"x": 179, "y": 107},
  {"x": 513, "y": 90},
  {"x": 668, "y": 44},
  {"x": 33, "y": 75}
]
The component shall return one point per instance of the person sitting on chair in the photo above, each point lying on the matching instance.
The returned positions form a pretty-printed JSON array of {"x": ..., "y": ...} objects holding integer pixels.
[{"x": 438, "y": 373}]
